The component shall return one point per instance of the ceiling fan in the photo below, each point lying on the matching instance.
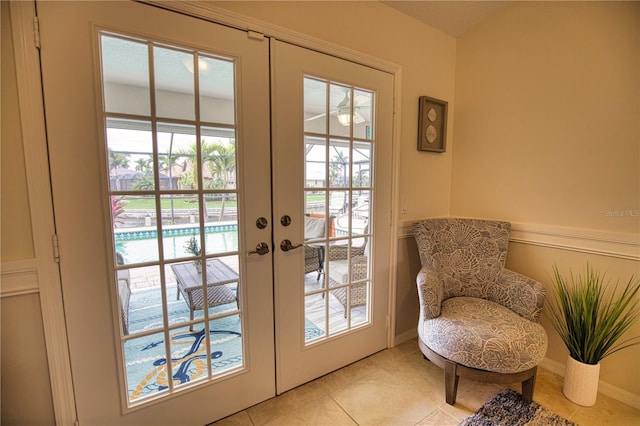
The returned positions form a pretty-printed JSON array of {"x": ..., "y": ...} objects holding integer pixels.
[{"x": 342, "y": 112}]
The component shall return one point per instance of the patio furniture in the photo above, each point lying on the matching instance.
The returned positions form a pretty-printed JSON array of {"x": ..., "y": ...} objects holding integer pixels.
[
  {"x": 124, "y": 293},
  {"x": 338, "y": 256},
  {"x": 339, "y": 275},
  {"x": 315, "y": 227},
  {"x": 190, "y": 285},
  {"x": 477, "y": 319}
]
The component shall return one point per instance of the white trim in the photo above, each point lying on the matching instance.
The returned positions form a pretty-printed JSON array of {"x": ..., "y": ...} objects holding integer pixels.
[
  {"x": 625, "y": 246},
  {"x": 41, "y": 209},
  {"x": 611, "y": 244},
  {"x": 604, "y": 388},
  {"x": 18, "y": 277},
  {"x": 218, "y": 15},
  {"x": 395, "y": 191},
  {"x": 406, "y": 336}
]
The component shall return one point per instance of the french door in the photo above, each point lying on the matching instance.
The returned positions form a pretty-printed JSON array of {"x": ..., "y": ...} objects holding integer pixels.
[
  {"x": 332, "y": 125},
  {"x": 154, "y": 120},
  {"x": 202, "y": 178}
]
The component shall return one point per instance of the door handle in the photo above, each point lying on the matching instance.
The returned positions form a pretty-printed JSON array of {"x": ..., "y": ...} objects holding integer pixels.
[
  {"x": 287, "y": 245},
  {"x": 261, "y": 249}
]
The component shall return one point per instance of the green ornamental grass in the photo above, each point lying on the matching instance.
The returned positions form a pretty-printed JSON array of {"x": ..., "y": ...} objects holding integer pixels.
[{"x": 589, "y": 318}]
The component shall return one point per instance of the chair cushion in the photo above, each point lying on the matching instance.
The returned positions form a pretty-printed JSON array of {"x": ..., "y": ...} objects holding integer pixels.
[
  {"x": 339, "y": 271},
  {"x": 484, "y": 335},
  {"x": 313, "y": 227}
]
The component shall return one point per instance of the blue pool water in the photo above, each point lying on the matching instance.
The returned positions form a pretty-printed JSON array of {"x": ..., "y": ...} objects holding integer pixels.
[{"x": 138, "y": 246}]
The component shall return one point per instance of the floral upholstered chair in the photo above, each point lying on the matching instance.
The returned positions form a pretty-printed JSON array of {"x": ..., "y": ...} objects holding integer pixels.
[{"x": 477, "y": 319}]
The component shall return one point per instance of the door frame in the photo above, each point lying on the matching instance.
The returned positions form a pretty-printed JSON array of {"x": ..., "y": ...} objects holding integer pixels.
[
  {"x": 24, "y": 31},
  {"x": 26, "y": 45}
]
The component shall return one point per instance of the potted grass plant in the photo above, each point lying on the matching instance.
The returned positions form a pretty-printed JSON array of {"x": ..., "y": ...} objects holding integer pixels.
[
  {"x": 591, "y": 317},
  {"x": 193, "y": 248}
]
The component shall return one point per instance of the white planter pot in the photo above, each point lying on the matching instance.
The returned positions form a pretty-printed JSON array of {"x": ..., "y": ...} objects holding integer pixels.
[{"x": 581, "y": 382}]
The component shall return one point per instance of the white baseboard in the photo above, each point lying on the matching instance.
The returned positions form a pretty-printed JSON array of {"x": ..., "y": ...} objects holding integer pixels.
[
  {"x": 556, "y": 368},
  {"x": 406, "y": 336},
  {"x": 603, "y": 387}
]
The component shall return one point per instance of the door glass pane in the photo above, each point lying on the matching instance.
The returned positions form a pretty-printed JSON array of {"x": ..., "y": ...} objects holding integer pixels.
[
  {"x": 174, "y": 83},
  {"x": 221, "y": 222},
  {"x": 338, "y": 208},
  {"x": 130, "y": 151},
  {"x": 362, "y": 121},
  {"x": 176, "y": 156},
  {"x": 339, "y": 163},
  {"x": 217, "y": 98},
  {"x": 361, "y": 169},
  {"x": 174, "y": 210},
  {"x": 315, "y": 106},
  {"x": 218, "y": 158},
  {"x": 125, "y": 75},
  {"x": 340, "y": 110}
]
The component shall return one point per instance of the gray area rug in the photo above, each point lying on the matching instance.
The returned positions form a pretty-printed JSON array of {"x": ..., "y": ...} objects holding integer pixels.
[{"x": 508, "y": 409}]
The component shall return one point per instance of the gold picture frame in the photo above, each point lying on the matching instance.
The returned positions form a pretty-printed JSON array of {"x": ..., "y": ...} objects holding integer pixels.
[{"x": 432, "y": 124}]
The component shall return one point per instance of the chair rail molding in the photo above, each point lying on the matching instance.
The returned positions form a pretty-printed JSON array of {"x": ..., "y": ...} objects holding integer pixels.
[
  {"x": 603, "y": 243},
  {"x": 19, "y": 277}
]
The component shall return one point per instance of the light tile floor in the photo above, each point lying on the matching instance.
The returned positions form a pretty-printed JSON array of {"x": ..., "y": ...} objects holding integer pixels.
[{"x": 398, "y": 387}]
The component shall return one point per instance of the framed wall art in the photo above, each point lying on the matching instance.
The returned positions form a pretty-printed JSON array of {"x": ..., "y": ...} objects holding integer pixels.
[{"x": 432, "y": 124}]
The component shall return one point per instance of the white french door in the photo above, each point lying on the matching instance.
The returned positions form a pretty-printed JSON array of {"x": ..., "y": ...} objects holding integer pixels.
[
  {"x": 332, "y": 133},
  {"x": 158, "y": 131},
  {"x": 202, "y": 178}
]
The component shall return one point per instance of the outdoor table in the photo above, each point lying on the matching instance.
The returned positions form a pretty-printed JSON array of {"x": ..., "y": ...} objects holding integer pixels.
[{"x": 190, "y": 284}]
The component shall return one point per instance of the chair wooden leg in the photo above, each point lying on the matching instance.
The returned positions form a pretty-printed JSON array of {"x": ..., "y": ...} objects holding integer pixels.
[
  {"x": 528, "y": 387},
  {"x": 450, "y": 382}
]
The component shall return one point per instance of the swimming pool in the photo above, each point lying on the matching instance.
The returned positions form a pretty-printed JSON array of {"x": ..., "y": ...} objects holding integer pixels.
[{"x": 139, "y": 245}]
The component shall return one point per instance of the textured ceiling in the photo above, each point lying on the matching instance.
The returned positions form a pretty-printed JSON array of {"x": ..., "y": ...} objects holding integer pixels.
[{"x": 451, "y": 17}]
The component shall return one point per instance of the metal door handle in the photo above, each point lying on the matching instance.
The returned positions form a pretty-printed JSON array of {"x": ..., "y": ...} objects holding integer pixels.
[
  {"x": 287, "y": 245},
  {"x": 261, "y": 249}
]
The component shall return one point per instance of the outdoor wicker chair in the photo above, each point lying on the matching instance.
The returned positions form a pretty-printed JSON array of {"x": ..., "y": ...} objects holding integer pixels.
[
  {"x": 315, "y": 227},
  {"x": 477, "y": 319},
  {"x": 124, "y": 293},
  {"x": 340, "y": 272}
]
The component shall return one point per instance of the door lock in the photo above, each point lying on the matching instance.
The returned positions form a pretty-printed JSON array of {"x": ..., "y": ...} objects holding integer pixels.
[{"x": 261, "y": 223}]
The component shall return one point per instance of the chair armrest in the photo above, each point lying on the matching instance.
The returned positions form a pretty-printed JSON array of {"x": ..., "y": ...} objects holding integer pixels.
[
  {"x": 359, "y": 268},
  {"x": 430, "y": 292},
  {"x": 523, "y": 295}
]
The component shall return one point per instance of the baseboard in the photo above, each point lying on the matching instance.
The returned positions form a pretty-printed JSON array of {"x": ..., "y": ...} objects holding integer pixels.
[
  {"x": 404, "y": 337},
  {"x": 603, "y": 387}
]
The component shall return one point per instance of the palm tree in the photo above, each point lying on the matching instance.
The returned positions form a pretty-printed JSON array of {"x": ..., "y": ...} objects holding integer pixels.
[
  {"x": 222, "y": 164},
  {"x": 143, "y": 165},
  {"x": 117, "y": 160}
]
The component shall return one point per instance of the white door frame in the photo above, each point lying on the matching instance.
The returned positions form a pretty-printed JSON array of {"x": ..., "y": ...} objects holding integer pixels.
[{"x": 26, "y": 45}]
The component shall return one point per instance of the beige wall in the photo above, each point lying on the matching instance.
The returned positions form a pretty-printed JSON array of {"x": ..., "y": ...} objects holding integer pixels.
[
  {"x": 547, "y": 107},
  {"x": 547, "y": 133},
  {"x": 25, "y": 395},
  {"x": 582, "y": 91},
  {"x": 427, "y": 57}
]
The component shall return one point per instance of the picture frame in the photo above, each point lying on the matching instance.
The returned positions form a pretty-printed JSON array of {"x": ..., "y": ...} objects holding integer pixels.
[{"x": 432, "y": 124}]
